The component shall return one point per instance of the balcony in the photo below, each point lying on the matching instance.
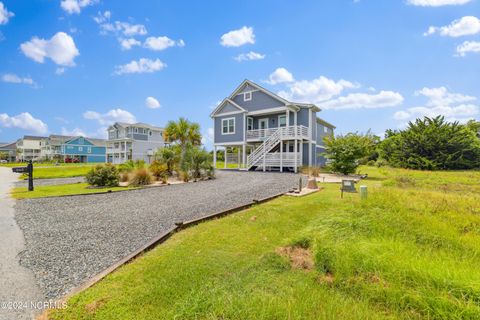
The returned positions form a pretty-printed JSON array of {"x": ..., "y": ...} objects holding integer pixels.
[{"x": 290, "y": 132}]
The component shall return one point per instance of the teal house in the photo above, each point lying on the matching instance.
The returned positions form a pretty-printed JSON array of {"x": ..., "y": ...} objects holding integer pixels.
[{"x": 81, "y": 149}]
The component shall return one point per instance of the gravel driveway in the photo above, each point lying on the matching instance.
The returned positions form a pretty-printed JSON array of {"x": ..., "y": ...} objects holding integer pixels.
[{"x": 71, "y": 239}]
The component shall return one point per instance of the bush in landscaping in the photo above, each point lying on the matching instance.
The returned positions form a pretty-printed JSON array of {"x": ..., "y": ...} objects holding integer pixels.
[
  {"x": 345, "y": 151},
  {"x": 159, "y": 170},
  {"x": 124, "y": 176},
  {"x": 103, "y": 176},
  {"x": 169, "y": 156},
  {"x": 432, "y": 144},
  {"x": 131, "y": 165},
  {"x": 141, "y": 177}
]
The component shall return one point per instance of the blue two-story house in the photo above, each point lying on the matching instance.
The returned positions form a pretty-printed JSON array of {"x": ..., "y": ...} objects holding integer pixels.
[
  {"x": 85, "y": 149},
  {"x": 267, "y": 131}
]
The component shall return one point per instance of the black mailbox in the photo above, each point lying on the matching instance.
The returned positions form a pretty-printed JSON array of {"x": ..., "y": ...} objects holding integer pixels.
[{"x": 28, "y": 169}]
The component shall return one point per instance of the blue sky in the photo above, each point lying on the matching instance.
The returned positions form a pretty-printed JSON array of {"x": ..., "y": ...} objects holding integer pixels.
[{"x": 75, "y": 66}]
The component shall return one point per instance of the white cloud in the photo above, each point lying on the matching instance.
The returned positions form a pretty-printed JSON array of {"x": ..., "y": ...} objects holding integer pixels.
[
  {"x": 102, "y": 17},
  {"x": 364, "y": 100},
  {"x": 316, "y": 90},
  {"x": 468, "y": 46},
  {"x": 237, "y": 38},
  {"x": 74, "y": 132},
  {"x": 23, "y": 121},
  {"x": 453, "y": 106},
  {"x": 152, "y": 103},
  {"x": 13, "y": 78},
  {"x": 118, "y": 27},
  {"x": 127, "y": 44},
  {"x": 441, "y": 97},
  {"x": 59, "y": 71},
  {"x": 249, "y": 56},
  {"x": 280, "y": 75},
  {"x": 75, "y": 6},
  {"x": 467, "y": 25},
  {"x": 436, "y": 3},
  {"x": 162, "y": 43},
  {"x": 60, "y": 49},
  {"x": 143, "y": 65},
  {"x": 207, "y": 139},
  {"x": 5, "y": 15},
  {"x": 112, "y": 116}
]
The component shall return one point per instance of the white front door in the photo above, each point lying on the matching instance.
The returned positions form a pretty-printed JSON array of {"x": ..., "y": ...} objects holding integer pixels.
[{"x": 263, "y": 126}]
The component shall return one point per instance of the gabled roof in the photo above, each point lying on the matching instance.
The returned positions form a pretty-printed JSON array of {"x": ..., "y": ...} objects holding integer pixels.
[
  {"x": 223, "y": 103},
  {"x": 267, "y": 92},
  {"x": 34, "y": 138},
  {"x": 260, "y": 88},
  {"x": 95, "y": 142},
  {"x": 138, "y": 124},
  {"x": 325, "y": 123}
]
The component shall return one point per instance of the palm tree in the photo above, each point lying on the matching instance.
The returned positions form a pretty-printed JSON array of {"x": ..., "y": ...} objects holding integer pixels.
[{"x": 183, "y": 132}]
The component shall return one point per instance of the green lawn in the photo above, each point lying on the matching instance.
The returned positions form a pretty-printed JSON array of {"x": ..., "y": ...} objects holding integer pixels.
[
  {"x": 60, "y": 190},
  {"x": 410, "y": 251},
  {"x": 47, "y": 164},
  {"x": 221, "y": 165},
  {"x": 59, "y": 172}
]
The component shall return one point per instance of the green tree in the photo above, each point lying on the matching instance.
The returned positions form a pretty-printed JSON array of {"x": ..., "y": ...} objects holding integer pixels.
[
  {"x": 183, "y": 132},
  {"x": 432, "y": 144},
  {"x": 345, "y": 151},
  {"x": 168, "y": 156}
]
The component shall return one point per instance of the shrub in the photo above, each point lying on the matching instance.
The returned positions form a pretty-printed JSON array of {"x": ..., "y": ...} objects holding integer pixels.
[
  {"x": 159, "y": 170},
  {"x": 345, "y": 152},
  {"x": 141, "y": 177},
  {"x": 432, "y": 144},
  {"x": 169, "y": 156},
  {"x": 131, "y": 165},
  {"x": 103, "y": 176},
  {"x": 124, "y": 176},
  {"x": 185, "y": 175}
]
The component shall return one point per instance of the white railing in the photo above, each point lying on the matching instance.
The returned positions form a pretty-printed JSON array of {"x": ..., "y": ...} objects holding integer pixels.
[
  {"x": 287, "y": 159},
  {"x": 286, "y": 133},
  {"x": 264, "y": 148}
]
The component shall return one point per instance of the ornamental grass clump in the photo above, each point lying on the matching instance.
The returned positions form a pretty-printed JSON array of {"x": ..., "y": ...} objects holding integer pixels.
[
  {"x": 141, "y": 177},
  {"x": 159, "y": 170},
  {"x": 103, "y": 176}
]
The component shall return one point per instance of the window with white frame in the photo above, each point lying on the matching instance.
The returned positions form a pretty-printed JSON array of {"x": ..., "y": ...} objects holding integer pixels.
[
  {"x": 282, "y": 121},
  {"x": 325, "y": 129},
  {"x": 249, "y": 123},
  {"x": 247, "y": 96},
  {"x": 89, "y": 149},
  {"x": 80, "y": 148},
  {"x": 228, "y": 126}
]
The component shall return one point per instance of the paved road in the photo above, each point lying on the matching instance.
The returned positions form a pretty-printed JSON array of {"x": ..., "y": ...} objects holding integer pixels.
[
  {"x": 71, "y": 239},
  {"x": 17, "y": 283}
]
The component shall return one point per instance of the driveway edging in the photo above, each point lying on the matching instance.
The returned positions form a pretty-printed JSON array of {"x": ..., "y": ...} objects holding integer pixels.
[{"x": 159, "y": 240}]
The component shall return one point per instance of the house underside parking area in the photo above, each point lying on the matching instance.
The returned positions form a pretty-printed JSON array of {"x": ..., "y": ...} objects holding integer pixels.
[{"x": 71, "y": 239}]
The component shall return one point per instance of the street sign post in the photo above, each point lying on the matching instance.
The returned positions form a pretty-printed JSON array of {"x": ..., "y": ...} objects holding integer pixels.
[{"x": 28, "y": 169}]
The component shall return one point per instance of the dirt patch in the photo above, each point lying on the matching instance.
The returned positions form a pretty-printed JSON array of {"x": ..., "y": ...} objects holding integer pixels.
[
  {"x": 326, "y": 279},
  {"x": 300, "y": 258},
  {"x": 92, "y": 307}
]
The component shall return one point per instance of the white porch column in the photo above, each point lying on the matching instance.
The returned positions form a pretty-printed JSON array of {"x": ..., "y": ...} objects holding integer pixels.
[
  {"x": 295, "y": 146},
  {"x": 288, "y": 118},
  {"x": 244, "y": 155},
  {"x": 300, "y": 143},
  {"x": 215, "y": 157},
  {"x": 264, "y": 158},
  {"x": 225, "y": 157},
  {"x": 238, "y": 157},
  {"x": 281, "y": 156}
]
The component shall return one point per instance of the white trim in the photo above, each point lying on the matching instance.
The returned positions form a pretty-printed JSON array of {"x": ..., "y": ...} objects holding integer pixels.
[
  {"x": 223, "y": 144},
  {"x": 256, "y": 90},
  {"x": 252, "y": 84},
  {"x": 250, "y": 93},
  {"x": 227, "y": 114},
  {"x": 220, "y": 106},
  {"x": 320, "y": 146},
  {"x": 280, "y": 116},
  {"x": 267, "y": 111},
  {"x": 228, "y": 126},
  {"x": 250, "y": 118}
]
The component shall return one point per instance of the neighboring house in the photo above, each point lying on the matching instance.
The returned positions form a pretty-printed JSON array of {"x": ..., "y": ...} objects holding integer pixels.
[
  {"x": 30, "y": 148},
  {"x": 269, "y": 132},
  {"x": 82, "y": 149},
  {"x": 10, "y": 149},
  {"x": 137, "y": 141}
]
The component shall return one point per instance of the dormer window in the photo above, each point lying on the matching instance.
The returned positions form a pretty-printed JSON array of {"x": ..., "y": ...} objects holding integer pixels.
[{"x": 247, "y": 96}]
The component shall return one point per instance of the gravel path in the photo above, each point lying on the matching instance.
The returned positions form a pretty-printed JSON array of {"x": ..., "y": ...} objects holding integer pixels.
[
  {"x": 71, "y": 239},
  {"x": 50, "y": 182}
]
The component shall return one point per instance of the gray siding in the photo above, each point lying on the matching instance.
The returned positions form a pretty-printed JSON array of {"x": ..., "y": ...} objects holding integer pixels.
[
  {"x": 322, "y": 134},
  {"x": 236, "y": 137},
  {"x": 142, "y": 137},
  {"x": 228, "y": 107},
  {"x": 259, "y": 101},
  {"x": 321, "y": 160},
  {"x": 272, "y": 120}
]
